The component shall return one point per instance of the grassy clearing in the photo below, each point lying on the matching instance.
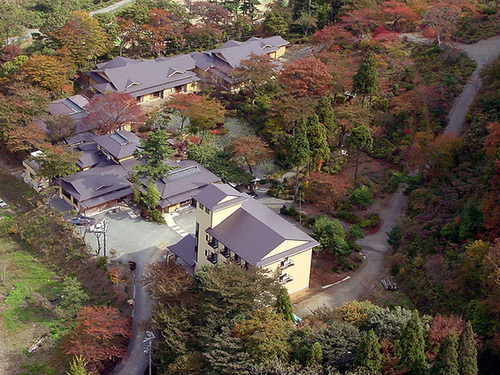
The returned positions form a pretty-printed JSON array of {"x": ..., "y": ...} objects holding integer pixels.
[
  {"x": 15, "y": 192},
  {"x": 26, "y": 310}
]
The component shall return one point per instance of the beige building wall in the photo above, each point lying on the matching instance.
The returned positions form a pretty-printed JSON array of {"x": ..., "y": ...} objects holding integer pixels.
[
  {"x": 32, "y": 178},
  {"x": 203, "y": 221},
  {"x": 285, "y": 245},
  {"x": 300, "y": 271}
]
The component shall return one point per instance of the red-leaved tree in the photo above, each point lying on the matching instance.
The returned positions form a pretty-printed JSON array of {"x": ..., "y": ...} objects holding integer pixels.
[
  {"x": 306, "y": 77},
  {"x": 112, "y": 111},
  {"x": 100, "y": 336},
  {"x": 249, "y": 150},
  {"x": 398, "y": 13}
]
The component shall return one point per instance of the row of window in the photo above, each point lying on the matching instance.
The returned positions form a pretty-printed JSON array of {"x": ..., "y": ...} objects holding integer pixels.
[{"x": 207, "y": 210}]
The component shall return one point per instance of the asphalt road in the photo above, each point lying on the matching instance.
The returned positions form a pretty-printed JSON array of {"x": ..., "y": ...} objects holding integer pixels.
[{"x": 133, "y": 239}]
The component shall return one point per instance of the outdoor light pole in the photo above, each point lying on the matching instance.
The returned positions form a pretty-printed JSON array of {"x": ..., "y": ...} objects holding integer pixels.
[{"x": 149, "y": 340}]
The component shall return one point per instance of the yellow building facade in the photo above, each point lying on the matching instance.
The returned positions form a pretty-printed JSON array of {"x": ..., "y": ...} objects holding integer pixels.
[{"x": 233, "y": 227}]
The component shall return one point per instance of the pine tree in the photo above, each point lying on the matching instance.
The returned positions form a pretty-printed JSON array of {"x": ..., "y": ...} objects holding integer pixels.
[
  {"x": 152, "y": 155},
  {"x": 411, "y": 345},
  {"x": 324, "y": 110},
  {"x": 446, "y": 362},
  {"x": 467, "y": 352},
  {"x": 360, "y": 139},
  {"x": 368, "y": 354},
  {"x": 315, "y": 355},
  {"x": 365, "y": 81},
  {"x": 151, "y": 196},
  {"x": 300, "y": 152},
  {"x": 316, "y": 134},
  {"x": 284, "y": 305}
]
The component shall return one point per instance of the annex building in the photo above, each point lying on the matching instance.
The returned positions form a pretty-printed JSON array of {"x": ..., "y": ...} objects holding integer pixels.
[{"x": 234, "y": 227}]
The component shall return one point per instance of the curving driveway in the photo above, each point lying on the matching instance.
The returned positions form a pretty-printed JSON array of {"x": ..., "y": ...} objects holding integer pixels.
[{"x": 375, "y": 246}]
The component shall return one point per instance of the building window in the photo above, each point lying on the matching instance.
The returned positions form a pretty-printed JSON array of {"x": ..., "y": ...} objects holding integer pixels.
[
  {"x": 202, "y": 207},
  {"x": 285, "y": 278},
  {"x": 285, "y": 263}
]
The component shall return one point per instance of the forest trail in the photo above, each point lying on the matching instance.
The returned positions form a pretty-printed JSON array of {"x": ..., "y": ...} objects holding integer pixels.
[
  {"x": 375, "y": 246},
  {"x": 483, "y": 53}
]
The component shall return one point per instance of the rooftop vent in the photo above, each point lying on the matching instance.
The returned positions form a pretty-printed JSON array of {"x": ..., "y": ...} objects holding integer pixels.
[{"x": 117, "y": 137}]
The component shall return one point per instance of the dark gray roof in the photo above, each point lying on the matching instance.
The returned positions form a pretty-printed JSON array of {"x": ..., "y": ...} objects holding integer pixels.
[
  {"x": 96, "y": 184},
  {"x": 253, "y": 230},
  {"x": 77, "y": 139},
  {"x": 233, "y": 52},
  {"x": 72, "y": 105},
  {"x": 139, "y": 77},
  {"x": 89, "y": 159},
  {"x": 119, "y": 144},
  {"x": 184, "y": 182},
  {"x": 184, "y": 249},
  {"x": 212, "y": 196}
]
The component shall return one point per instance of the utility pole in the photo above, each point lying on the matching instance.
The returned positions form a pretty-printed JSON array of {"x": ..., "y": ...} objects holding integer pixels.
[{"x": 148, "y": 348}]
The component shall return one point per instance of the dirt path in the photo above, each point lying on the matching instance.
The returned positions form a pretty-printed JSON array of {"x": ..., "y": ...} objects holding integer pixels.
[
  {"x": 375, "y": 246},
  {"x": 483, "y": 53}
]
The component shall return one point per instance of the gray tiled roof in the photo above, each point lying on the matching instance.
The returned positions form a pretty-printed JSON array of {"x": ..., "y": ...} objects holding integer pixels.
[
  {"x": 70, "y": 106},
  {"x": 184, "y": 249},
  {"x": 212, "y": 196},
  {"x": 119, "y": 144},
  {"x": 104, "y": 179},
  {"x": 232, "y": 53},
  {"x": 139, "y": 77},
  {"x": 186, "y": 180},
  {"x": 253, "y": 230}
]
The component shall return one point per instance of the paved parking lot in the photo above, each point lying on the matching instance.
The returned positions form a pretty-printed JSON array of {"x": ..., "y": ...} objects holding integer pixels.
[{"x": 127, "y": 234}]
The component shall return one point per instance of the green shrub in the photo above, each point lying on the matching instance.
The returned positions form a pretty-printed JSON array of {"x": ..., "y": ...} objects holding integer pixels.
[
  {"x": 331, "y": 235},
  {"x": 156, "y": 215},
  {"x": 361, "y": 196},
  {"x": 347, "y": 216},
  {"x": 371, "y": 221}
]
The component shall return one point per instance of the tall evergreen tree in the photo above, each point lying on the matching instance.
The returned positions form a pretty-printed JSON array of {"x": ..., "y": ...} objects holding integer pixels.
[
  {"x": 368, "y": 354},
  {"x": 411, "y": 345},
  {"x": 315, "y": 355},
  {"x": 365, "y": 81},
  {"x": 360, "y": 139},
  {"x": 446, "y": 362},
  {"x": 284, "y": 305},
  {"x": 300, "y": 152},
  {"x": 324, "y": 110},
  {"x": 316, "y": 134},
  {"x": 152, "y": 155},
  {"x": 467, "y": 352}
]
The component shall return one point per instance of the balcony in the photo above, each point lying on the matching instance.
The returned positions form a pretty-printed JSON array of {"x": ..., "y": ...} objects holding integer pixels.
[
  {"x": 226, "y": 253},
  {"x": 285, "y": 278},
  {"x": 212, "y": 258},
  {"x": 286, "y": 263},
  {"x": 214, "y": 244}
]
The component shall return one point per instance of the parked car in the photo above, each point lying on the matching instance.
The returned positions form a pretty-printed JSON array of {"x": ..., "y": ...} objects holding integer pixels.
[{"x": 82, "y": 220}]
